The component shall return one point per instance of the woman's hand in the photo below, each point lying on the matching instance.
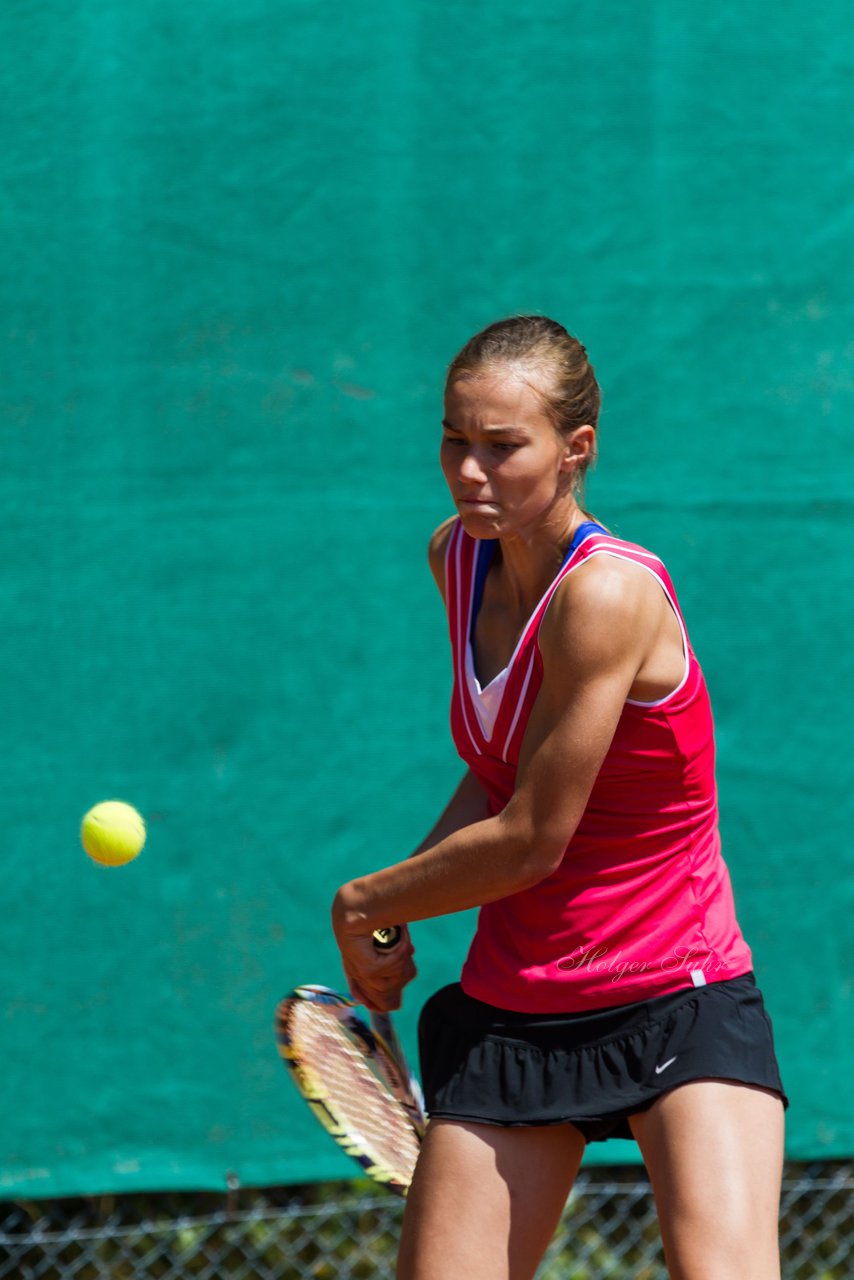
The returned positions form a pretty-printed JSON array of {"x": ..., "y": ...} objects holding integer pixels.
[{"x": 375, "y": 978}]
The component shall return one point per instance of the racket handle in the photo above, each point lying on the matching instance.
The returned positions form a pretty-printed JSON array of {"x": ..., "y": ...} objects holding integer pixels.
[{"x": 387, "y": 939}]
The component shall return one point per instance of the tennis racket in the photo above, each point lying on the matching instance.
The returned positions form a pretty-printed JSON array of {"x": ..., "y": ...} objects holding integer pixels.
[{"x": 354, "y": 1078}]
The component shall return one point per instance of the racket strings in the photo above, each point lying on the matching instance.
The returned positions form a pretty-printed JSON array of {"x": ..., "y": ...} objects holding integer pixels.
[{"x": 338, "y": 1072}]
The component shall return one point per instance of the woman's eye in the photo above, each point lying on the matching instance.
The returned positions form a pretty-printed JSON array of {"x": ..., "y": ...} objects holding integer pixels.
[{"x": 498, "y": 446}]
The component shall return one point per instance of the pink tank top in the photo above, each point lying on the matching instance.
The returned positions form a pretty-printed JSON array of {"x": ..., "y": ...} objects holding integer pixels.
[{"x": 641, "y": 903}]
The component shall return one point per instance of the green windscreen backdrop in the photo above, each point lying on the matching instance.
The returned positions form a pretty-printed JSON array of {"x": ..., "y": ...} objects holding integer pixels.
[{"x": 241, "y": 240}]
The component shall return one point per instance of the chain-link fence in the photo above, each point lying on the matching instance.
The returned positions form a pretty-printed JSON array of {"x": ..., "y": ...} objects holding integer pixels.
[{"x": 348, "y": 1231}]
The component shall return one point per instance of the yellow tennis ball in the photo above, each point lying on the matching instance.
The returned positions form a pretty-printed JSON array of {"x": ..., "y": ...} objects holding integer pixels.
[{"x": 112, "y": 833}]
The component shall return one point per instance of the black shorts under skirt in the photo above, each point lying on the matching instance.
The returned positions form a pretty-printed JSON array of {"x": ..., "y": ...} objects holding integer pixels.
[{"x": 494, "y": 1066}]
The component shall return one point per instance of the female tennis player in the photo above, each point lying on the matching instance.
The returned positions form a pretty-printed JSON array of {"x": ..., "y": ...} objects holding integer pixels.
[{"x": 608, "y": 989}]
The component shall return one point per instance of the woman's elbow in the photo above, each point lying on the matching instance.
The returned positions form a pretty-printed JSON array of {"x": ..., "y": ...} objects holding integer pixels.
[
  {"x": 542, "y": 852},
  {"x": 537, "y": 847}
]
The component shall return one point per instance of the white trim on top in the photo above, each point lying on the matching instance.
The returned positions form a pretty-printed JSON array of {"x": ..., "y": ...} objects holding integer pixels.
[
  {"x": 519, "y": 704},
  {"x": 686, "y": 651}
]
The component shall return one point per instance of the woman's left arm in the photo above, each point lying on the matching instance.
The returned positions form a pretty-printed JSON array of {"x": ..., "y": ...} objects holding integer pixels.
[{"x": 593, "y": 640}]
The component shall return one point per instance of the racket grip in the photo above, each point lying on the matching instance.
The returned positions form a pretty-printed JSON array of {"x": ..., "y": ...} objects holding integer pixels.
[{"x": 386, "y": 939}]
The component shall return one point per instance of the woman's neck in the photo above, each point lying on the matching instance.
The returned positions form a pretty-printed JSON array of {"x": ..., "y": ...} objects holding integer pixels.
[{"x": 527, "y": 564}]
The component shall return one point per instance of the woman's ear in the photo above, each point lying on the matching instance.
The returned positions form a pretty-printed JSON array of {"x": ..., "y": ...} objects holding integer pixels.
[{"x": 580, "y": 446}]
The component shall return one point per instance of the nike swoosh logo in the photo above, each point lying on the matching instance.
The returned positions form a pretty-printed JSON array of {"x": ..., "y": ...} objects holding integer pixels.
[{"x": 665, "y": 1065}]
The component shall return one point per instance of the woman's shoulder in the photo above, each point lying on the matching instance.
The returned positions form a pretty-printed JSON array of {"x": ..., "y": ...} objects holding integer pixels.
[
  {"x": 440, "y": 537},
  {"x": 437, "y": 549},
  {"x": 608, "y": 601},
  {"x": 597, "y": 579}
]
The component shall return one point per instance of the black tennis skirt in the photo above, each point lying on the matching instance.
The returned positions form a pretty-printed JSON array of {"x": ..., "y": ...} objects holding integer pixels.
[{"x": 494, "y": 1066}]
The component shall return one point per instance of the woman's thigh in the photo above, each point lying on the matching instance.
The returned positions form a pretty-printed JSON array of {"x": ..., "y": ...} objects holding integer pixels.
[
  {"x": 485, "y": 1200},
  {"x": 714, "y": 1152}
]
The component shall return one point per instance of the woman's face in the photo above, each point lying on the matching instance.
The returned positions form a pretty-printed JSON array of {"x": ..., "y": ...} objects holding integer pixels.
[{"x": 504, "y": 462}]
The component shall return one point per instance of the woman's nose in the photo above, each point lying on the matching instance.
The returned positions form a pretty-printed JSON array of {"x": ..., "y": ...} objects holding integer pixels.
[{"x": 471, "y": 468}]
